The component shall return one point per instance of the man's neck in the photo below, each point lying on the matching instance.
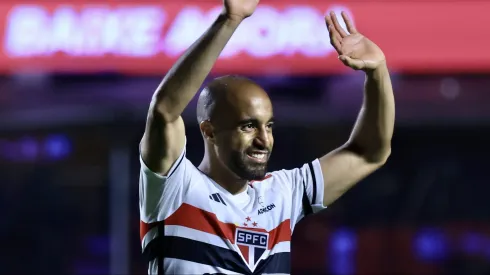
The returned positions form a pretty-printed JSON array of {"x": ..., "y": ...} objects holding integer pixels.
[{"x": 224, "y": 178}]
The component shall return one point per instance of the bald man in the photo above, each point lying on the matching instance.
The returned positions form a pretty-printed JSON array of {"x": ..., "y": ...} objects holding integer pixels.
[{"x": 229, "y": 215}]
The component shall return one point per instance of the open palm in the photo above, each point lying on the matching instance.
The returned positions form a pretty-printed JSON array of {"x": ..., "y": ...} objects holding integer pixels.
[
  {"x": 354, "y": 49},
  {"x": 240, "y": 9}
]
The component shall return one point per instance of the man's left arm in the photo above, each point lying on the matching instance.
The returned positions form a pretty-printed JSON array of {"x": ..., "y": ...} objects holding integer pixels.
[{"x": 369, "y": 145}]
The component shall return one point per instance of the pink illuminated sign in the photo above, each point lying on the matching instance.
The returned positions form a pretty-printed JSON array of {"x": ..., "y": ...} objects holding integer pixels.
[{"x": 281, "y": 37}]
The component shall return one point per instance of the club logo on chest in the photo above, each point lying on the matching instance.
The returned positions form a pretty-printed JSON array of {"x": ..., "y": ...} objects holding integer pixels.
[{"x": 252, "y": 244}]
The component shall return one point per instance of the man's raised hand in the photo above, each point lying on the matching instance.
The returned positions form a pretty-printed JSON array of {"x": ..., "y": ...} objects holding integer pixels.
[
  {"x": 354, "y": 49},
  {"x": 239, "y": 9}
]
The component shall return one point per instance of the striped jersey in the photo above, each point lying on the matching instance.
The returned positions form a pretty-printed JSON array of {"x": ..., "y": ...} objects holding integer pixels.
[{"x": 207, "y": 230}]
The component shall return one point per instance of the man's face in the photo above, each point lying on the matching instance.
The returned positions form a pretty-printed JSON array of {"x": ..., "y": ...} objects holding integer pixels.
[{"x": 245, "y": 144}]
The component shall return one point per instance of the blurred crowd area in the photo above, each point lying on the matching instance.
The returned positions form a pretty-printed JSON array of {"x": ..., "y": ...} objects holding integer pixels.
[{"x": 69, "y": 173}]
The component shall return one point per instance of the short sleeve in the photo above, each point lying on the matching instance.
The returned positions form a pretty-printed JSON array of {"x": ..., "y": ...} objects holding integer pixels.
[
  {"x": 160, "y": 196},
  {"x": 308, "y": 176}
]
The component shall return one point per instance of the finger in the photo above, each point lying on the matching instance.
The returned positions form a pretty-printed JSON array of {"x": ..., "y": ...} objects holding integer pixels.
[
  {"x": 334, "y": 35},
  {"x": 336, "y": 23},
  {"x": 328, "y": 20},
  {"x": 356, "y": 64},
  {"x": 348, "y": 23},
  {"x": 335, "y": 39}
]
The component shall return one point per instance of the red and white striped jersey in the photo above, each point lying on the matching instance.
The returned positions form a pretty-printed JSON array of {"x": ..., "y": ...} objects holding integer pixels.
[{"x": 207, "y": 230}]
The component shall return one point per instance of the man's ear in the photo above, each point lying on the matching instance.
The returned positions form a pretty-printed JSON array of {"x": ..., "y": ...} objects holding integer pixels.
[{"x": 207, "y": 131}]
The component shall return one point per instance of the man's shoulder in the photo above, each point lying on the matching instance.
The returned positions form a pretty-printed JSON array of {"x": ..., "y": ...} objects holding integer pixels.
[
  {"x": 283, "y": 175},
  {"x": 295, "y": 173},
  {"x": 274, "y": 178},
  {"x": 182, "y": 168}
]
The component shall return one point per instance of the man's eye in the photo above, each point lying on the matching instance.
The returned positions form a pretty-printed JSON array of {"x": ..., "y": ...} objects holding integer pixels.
[{"x": 247, "y": 127}]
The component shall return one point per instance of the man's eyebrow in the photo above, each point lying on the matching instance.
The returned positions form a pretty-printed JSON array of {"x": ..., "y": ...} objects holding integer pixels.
[
  {"x": 254, "y": 121},
  {"x": 249, "y": 120}
]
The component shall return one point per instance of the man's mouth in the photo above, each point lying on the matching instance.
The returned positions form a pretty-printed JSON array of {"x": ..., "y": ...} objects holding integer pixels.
[{"x": 258, "y": 156}]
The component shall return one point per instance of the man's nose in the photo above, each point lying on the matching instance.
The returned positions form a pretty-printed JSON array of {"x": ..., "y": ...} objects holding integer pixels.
[{"x": 263, "y": 139}]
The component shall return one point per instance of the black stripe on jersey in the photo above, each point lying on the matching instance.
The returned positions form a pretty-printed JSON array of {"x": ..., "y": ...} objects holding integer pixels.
[
  {"x": 161, "y": 245},
  {"x": 312, "y": 171},
  {"x": 178, "y": 164},
  {"x": 152, "y": 250},
  {"x": 203, "y": 253},
  {"x": 221, "y": 199},
  {"x": 277, "y": 263},
  {"x": 306, "y": 201}
]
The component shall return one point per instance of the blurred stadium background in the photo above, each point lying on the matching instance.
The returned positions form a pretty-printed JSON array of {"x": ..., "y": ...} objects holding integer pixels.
[{"x": 77, "y": 77}]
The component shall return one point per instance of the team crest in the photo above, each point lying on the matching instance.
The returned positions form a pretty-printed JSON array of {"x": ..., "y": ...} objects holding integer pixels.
[{"x": 252, "y": 244}]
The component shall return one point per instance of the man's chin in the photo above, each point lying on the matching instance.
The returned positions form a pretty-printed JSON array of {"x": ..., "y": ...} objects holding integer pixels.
[
  {"x": 250, "y": 171},
  {"x": 255, "y": 175}
]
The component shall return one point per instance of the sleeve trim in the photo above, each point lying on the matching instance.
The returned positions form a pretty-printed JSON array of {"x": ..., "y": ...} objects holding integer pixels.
[
  {"x": 318, "y": 183},
  {"x": 174, "y": 167},
  {"x": 312, "y": 171}
]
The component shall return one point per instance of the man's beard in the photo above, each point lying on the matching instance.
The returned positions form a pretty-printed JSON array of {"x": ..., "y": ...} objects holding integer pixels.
[{"x": 245, "y": 168}]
